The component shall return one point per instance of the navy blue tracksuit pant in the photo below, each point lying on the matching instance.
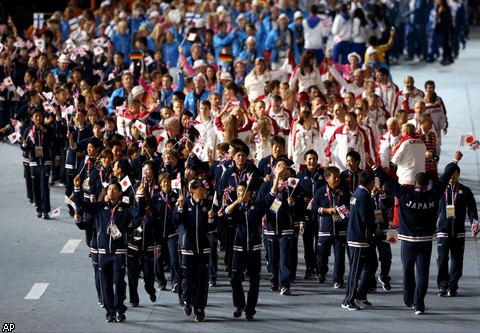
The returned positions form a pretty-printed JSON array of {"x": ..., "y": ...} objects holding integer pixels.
[
  {"x": 112, "y": 276},
  {"x": 363, "y": 264},
  {"x": 416, "y": 266},
  {"x": 251, "y": 261},
  {"x": 451, "y": 248},
  {"x": 195, "y": 283}
]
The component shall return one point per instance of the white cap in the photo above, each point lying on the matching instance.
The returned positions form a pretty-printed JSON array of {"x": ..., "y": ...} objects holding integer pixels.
[
  {"x": 226, "y": 76},
  {"x": 371, "y": 50},
  {"x": 220, "y": 9},
  {"x": 122, "y": 15},
  {"x": 297, "y": 15},
  {"x": 254, "y": 2},
  {"x": 137, "y": 90},
  {"x": 154, "y": 14},
  {"x": 240, "y": 17},
  {"x": 105, "y": 3},
  {"x": 199, "y": 63},
  {"x": 282, "y": 16},
  {"x": 63, "y": 58},
  {"x": 250, "y": 39},
  {"x": 355, "y": 54}
]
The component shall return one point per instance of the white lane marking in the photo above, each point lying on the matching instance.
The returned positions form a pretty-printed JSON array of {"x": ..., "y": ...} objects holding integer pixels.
[
  {"x": 37, "y": 290},
  {"x": 70, "y": 246}
]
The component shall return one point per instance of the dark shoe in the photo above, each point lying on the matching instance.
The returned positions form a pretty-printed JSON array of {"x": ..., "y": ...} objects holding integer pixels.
[
  {"x": 212, "y": 284},
  {"x": 452, "y": 293},
  {"x": 385, "y": 285},
  {"x": 350, "y": 306},
  {"x": 187, "y": 309},
  {"x": 338, "y": 285},
  {"x": 110, "y": 318},
  {"x": 285, "y": 291},
  {"x": 153, "y": 298},
  {"x": 199, "y": 318},
  {"x": 39, "y": 215},
  {"x": 372, "y": 290},
  {"x": 362, "y": 303},
  {"x": 321, "y": 279},
  {"x": 45, "y": 216},
  {"x": 135, "y": 305},
  {"x": 249, "y": 316},
  {"x": 309, "y": 276},
  {"x": 274, "y": 288},
  {"x": 162, "y": 287},
  {"x": 121, "y": 317},
  {"x": 237, "y": 313},
  {"x": 442, "y": 293}
]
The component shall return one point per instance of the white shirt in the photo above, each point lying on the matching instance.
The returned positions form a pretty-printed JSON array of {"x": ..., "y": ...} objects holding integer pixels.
[
  {"x": 385, "y": 145},
  {"x": 410, "y": 160}
]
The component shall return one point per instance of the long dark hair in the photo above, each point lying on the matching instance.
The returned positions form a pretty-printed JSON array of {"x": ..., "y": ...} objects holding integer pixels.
[
  {"x": 305, "y": 62},
  {"x": 361, "y": 16}
]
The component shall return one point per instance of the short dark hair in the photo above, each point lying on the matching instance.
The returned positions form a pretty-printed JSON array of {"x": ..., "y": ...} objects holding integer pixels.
[
  {"x": 283, "y": 159},
  {"x": 366, "y": 178},
  {"x": 330, "y": 170},
  {"x": 241, "y": 149},
  {"x": 277, "y": 140},
  {"x": 310, "y": 152},
  {"x": 124, "y": 165},
  {"x": 116, "y": 183},
  {"x": 355, "y": 155},
  {"x": 237, "y": 142},
  {"x": 422, "y": 179}
]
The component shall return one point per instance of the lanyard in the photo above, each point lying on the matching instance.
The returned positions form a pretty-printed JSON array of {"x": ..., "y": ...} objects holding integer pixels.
[
  {"x": 356, "y": 138},
  {"x": 166, "y": 201},
  {"x": 331, "y": 200},
  {"x": 454, "y": 194},
  {"x": 112, "y": 213}
]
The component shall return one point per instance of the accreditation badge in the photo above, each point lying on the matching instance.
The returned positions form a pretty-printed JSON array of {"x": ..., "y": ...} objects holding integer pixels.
[
  {"x": 38, "y": 151},
  {"x": 275, "y": 206},
  {"x": 116, "y": 234},
  {"x": 86, "y": 185},
  {"x": 378, "y": 216},
  {"x": 450, "y": 211}
]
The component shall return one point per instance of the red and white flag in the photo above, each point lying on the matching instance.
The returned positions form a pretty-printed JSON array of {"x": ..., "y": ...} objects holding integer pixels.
[
  {"x": 475, "y": 145},
  {"x": 292, "y": 182},
  {"x": 125, "y": 183},
  {"x": 141, "y": 127},
  {"x": 466, "y": 139},
  {"x": 148, "y": 60},
  {"x": 20, "y": 92},
  {"x": 48, "y": 107},
  {"x": 97, "y": 50},
  {"x": 56, "y": 212},
  {"x": 8, "y": 81},
  {"x": 197, "y": 149},
  {"x": 176, "y": 184},
  {"x": 14, "y": 137},
  {"x": 104, "y": 102}
]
